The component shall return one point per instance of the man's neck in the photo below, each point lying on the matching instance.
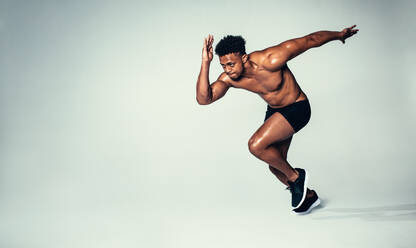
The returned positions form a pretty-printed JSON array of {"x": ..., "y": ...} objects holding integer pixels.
[{"x": 249, "y": 68}]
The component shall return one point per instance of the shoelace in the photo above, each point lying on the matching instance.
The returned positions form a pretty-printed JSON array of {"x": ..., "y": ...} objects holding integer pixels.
[{"x": 293, "y": 189}]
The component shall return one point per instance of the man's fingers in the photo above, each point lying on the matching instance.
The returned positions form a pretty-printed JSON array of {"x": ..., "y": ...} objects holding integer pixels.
[
  {"x": 354, "y": 31},
  {"x": 208, "y": 43}
]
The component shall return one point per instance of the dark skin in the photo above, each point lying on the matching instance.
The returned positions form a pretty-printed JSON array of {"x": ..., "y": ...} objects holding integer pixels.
[{"x": 265, "y": 73}]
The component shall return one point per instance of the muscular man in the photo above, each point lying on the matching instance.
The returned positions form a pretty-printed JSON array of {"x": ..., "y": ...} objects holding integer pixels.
[{"x": 266, "y": 73}]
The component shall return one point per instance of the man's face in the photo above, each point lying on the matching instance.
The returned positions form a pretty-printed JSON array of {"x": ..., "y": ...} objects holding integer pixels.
[{"x": 232, "y": 64}]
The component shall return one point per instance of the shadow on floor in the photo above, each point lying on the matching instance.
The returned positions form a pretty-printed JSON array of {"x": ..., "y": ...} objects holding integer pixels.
[{"x": 400, "y": 212}]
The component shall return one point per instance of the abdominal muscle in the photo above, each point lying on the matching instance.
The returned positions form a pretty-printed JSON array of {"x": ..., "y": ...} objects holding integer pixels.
[{"x": 289, "y": 93}]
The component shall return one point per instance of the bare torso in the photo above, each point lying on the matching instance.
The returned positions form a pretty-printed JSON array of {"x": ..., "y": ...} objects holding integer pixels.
[{"x": 278, "y": 88}]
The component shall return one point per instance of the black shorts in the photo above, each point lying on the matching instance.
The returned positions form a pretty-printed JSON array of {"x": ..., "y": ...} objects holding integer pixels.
[{"x": 297, "y": 113}]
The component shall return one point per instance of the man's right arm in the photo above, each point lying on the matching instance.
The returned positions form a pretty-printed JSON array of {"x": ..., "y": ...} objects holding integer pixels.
[{"x": 206, "y": 93}]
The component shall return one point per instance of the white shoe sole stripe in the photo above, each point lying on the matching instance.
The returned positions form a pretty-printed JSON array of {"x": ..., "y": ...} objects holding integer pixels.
[{"x": 315, "y": 204}]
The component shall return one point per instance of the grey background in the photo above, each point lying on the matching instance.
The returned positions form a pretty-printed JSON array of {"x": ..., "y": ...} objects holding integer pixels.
[{"x": 104, "y": 145}]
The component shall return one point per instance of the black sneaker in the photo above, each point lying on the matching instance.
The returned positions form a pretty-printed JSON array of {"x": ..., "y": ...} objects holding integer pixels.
[
  {"x": 308, "y": 204},
  {"x": 298, "y": 188}
]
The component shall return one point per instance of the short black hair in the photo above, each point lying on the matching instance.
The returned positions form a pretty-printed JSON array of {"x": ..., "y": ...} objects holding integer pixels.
[{"x": 231, "y": 44}]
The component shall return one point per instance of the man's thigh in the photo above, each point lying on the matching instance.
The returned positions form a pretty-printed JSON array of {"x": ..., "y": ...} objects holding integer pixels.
[{"x": 275, "y": 129}]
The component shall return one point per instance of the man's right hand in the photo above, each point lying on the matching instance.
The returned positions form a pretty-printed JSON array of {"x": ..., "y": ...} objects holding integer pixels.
[{"x": 207, "y": 53}]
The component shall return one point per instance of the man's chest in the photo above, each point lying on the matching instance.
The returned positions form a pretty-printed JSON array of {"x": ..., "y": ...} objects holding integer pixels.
[{"x": 261, "y": 83}]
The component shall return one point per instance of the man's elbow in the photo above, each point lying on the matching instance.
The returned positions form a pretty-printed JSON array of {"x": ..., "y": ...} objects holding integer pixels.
[{"x": 202, "y": 101}]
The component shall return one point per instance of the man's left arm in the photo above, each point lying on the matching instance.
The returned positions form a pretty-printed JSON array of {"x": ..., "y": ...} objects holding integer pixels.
[{"x": 277, "y": 56}]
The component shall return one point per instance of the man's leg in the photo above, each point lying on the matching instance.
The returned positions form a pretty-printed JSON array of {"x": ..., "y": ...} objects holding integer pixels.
[
  {"x": 265, "y": 142},
  {"x": 283, "y": 148},
  {"x": 275, "y": 129}
]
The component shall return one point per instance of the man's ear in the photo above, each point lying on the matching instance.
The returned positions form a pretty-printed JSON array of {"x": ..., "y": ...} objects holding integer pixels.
[{"x": 244, "y": 58}]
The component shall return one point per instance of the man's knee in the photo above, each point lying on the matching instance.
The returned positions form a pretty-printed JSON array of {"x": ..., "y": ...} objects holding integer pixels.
[{"x": 255, "y": 147}]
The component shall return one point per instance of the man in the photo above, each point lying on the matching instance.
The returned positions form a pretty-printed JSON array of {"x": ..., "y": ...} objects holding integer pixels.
[{"x": 266, "y": 73}]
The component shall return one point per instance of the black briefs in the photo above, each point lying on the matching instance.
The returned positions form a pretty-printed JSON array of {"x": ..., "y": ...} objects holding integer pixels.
[{"x": 297, "y": 113}]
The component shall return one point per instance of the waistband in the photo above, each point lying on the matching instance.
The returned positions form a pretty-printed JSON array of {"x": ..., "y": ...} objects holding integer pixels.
[{"x": 301, "y": 101}]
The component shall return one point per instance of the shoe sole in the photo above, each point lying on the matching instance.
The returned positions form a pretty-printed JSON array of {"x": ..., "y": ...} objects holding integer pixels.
[
  {"x": 315, "y": 204},
  {"x": 305, "y": 186}
]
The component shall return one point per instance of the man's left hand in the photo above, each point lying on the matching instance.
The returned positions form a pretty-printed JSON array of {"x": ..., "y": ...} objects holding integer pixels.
[{"x": 348, "y": 32}]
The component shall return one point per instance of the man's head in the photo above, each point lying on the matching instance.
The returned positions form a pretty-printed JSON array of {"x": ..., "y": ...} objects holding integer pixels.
[{"x": 232, "y": 52}]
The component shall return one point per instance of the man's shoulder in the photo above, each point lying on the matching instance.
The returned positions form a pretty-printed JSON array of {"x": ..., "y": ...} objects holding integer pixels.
[
  {"x": 223, "y": 77},
  {"x": 258, "y": 57}
]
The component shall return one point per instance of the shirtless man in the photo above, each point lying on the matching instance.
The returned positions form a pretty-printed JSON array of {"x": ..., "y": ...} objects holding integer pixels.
[{"x": 266, "y": 73}]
